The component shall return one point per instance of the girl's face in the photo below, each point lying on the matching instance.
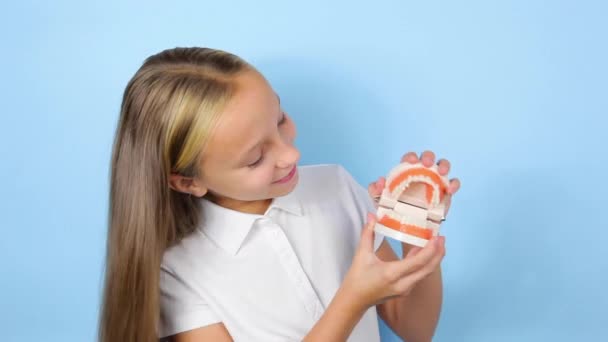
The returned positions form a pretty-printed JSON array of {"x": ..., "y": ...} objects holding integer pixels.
[{"x": 251, "y": 158}]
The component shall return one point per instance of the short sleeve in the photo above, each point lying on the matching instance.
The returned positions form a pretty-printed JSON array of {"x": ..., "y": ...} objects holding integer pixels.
[
  {"x": 363, "y": 200},
  {"x": 181, "y": 307}
]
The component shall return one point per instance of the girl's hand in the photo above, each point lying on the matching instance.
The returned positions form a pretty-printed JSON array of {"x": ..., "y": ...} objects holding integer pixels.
[{"x": 371, "y": 281}]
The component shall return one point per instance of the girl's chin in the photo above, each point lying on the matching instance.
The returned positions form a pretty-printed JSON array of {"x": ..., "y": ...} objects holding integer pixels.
[{"x": 288, "y": 186}]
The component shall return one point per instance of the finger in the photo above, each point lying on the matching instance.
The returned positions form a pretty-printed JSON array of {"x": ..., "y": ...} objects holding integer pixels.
[
  {"x": 416, "y": 261},
  {"x": 410, "y": 157},
  {"x": 380, "y": 184},
  {"x": 447, "y": 200},
  {"x": 372, "y": 190},
  {"x": 437, "y": 257},
  {"x": 375, "y": 189},
  {"x": 408, "y": 282},
  {"x": 428, "y": 158},
  {"x": 443, "y": 166},
  {"x": 413, "y": 251},
  {"x": 367, "y": 234},
  {"x": 454, "y": 186}
]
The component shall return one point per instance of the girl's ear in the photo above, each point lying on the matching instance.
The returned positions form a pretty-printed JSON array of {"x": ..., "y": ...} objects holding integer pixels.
[{"x": 187, "y": 185}]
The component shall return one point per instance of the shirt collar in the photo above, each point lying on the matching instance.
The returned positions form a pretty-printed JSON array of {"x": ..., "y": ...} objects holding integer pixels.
[
  {"x": 289, "y": 203},
  {"x": 229, "y": 228}
]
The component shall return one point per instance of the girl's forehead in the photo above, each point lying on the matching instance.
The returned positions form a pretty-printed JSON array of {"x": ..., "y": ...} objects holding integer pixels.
[{"x": 245, "y": 119}]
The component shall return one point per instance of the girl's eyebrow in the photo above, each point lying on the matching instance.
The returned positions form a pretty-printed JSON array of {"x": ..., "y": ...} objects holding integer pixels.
[{"x": 249, "y": 150}]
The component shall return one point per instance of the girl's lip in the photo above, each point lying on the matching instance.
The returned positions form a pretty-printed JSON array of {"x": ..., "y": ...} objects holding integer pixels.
[{"x": 288, "y": 177}]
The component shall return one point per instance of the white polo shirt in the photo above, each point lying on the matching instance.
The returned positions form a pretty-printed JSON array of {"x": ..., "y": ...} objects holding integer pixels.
[{"x": 269, "y": 277}]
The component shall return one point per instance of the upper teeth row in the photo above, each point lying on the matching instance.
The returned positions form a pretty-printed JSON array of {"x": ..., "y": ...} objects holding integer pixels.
[{"x": 419, "y": 178}]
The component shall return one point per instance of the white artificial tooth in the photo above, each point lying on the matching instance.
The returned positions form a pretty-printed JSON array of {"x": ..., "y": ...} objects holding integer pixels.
[{"x": 395, "y": 216}]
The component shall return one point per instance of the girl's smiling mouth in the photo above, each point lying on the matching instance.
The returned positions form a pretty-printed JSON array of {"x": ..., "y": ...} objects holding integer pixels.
[{"x": 288, "y": 177}]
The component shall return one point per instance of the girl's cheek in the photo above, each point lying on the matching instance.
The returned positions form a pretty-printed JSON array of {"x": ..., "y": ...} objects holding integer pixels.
[
  {"x": 269, "y": 174},
  {"x": 263, "y": 175}
]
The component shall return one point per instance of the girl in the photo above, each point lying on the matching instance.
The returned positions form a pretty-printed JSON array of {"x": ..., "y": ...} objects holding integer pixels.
[{"x": 215, "y": 233}]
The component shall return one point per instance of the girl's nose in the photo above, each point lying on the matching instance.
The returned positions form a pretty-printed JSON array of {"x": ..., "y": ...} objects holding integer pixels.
[{"x": 289, "y": 156}]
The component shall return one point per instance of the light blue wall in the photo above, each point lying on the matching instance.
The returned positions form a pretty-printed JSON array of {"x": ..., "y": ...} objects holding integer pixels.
[{"x": 514, "y": 93}]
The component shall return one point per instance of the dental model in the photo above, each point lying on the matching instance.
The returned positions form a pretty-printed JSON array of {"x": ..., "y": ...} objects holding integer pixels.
[{"x": 412, "y": 205}]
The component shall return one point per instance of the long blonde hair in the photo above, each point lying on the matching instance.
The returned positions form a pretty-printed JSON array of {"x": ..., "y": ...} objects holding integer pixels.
[{"x": 168, "y": 112}]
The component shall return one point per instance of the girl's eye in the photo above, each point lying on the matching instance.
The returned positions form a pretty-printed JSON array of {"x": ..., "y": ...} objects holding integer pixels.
[
  {"x": 283, "y": 119},
  {"x": 257, "y": 162}
]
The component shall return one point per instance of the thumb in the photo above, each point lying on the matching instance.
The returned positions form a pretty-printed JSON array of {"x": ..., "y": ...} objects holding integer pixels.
[{"x": 367, "y": 234}]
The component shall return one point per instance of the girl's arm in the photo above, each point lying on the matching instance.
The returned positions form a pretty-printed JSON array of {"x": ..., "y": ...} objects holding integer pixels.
[
  {"x": 214, "y": 332},
  {"x": 339, "y": 319},
  {"x": 413, "y": 316}
]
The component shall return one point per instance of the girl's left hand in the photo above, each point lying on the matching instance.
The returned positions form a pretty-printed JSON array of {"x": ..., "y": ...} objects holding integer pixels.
[{"x": 428, "y": 159}]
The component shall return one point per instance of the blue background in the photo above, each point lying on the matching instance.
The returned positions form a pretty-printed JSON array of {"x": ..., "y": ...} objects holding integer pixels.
[{"x": 513, "y": 93}]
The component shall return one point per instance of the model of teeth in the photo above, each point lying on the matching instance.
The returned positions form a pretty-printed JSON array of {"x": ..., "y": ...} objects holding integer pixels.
[{"x": 412, "y": 205}]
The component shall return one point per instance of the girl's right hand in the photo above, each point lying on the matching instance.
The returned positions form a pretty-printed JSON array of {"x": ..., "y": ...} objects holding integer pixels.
[{"x": 371, "y": 281}]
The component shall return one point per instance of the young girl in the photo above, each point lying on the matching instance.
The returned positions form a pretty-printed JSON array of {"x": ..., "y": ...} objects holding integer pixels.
[{"x": 215, "y": 233}]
